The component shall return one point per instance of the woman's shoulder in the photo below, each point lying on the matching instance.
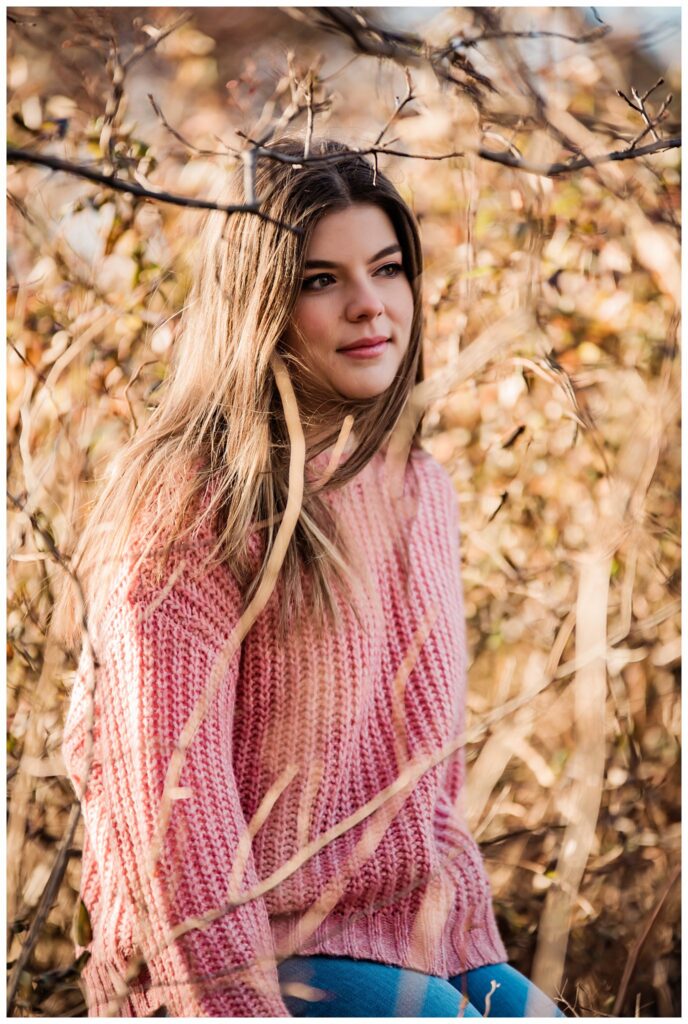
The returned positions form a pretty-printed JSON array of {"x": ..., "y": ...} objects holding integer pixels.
[
  {"x": 433, "y": 475},
  {"x": 424, "y": 478}
]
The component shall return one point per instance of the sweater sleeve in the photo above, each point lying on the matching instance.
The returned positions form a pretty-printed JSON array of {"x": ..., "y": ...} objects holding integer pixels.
[{"x": 155, "y": 665}]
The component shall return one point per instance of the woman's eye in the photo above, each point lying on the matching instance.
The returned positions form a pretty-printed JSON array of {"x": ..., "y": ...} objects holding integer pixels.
[
  {"x": 311, "y": 283},
  {"x": 318, "y": 282},
  {"x": 390, "y": 269}
]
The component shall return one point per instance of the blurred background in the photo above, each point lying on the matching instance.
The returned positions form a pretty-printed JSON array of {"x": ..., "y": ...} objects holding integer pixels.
[{"x": 564, "y": 447}]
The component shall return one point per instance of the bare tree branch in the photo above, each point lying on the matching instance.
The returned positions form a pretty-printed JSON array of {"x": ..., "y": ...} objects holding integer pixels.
[
  {"x": 556, "y": 169},
  {"x": 118, "y": 185},
  {"x": 364, "y": 34},
  {"x": 466, "y": 42},
  {"x": 326, "y": 158}
]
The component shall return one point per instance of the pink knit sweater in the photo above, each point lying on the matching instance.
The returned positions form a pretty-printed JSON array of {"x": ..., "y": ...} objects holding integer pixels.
[{"x": 334, "y": 719}]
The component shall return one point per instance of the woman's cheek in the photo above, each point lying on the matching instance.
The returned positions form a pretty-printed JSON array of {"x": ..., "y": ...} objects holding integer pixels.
[
  {"x": 405, "y": 306},
  {"x": 318, "y": 331},
  {"x": 309, "y": 323}
]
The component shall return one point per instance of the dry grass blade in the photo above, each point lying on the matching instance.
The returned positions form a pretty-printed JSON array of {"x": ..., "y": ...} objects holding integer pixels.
[
  {"x": 337, "y": 452},
  {"x": 590, "y": 691},
  {"x": 243, "y": 851}
]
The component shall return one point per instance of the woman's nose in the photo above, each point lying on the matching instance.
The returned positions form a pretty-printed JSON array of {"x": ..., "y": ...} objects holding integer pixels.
[{"x": 364, "y": 303}]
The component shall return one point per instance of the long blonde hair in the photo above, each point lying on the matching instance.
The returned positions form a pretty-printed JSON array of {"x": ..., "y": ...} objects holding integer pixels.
[{"x": 220, "y": 428}]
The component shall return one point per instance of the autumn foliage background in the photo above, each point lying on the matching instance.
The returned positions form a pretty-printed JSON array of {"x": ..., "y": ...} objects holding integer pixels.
[{"x": 564, "y": 447}]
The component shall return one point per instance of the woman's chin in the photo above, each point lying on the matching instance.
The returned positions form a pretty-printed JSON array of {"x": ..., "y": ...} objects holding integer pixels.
[
  {"x": 361, "y": 389},
  {"x": 361, "y": 395}
]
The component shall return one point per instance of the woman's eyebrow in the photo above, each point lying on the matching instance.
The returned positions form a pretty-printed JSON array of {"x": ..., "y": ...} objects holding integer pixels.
[{"x": 387, "y": 251}]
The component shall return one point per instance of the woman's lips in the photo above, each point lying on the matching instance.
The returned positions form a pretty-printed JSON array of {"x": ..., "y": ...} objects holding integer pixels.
[{"x": 365, "y": 351}]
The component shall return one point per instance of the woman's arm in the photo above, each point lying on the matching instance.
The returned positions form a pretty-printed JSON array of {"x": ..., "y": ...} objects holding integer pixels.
[{"x": 156, "y": 664}]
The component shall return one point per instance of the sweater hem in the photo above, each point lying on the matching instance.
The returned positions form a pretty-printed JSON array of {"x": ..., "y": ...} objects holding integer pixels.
[{"x": 384, "y": 938}]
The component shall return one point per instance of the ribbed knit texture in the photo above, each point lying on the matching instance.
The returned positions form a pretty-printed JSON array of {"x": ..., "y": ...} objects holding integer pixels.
[{"x": 405, "y": 886}]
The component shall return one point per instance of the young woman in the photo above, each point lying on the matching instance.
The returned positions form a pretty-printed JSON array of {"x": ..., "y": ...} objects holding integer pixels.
[{"x": 266, "y": 732}]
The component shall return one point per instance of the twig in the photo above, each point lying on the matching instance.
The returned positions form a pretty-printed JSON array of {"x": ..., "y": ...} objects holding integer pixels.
[
  {"x": 133, "y": 380},
  {"x": 179, "y": 137},
  {"x": 408, "y": 98},
  {"x": 21, "y": 208},
  {"x": 46, "y": 901},
  {"x": 661, "y": 116},
  {"x": 143, "y": 48},
  {"x": 288, "y": 115},
  {"x": 334, "y": 74},
  {"x": 309, "y": 116},
  {"x": 404, "y": 48},
  {"x": 646, "y": 117},
  {"x": 640, "y": 941},
  {"x": 29, "y": 365},
  {"x": 639, "y": 107},
  {"x": 496, "y": 157},
  {"x": 114, "y": 100},
  {"x": 504, "y": 837},
  {"x": 639, "y": 100}
]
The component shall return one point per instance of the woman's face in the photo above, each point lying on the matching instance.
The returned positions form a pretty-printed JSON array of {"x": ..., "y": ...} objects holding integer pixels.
[{"x": 354, "y": 291}]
